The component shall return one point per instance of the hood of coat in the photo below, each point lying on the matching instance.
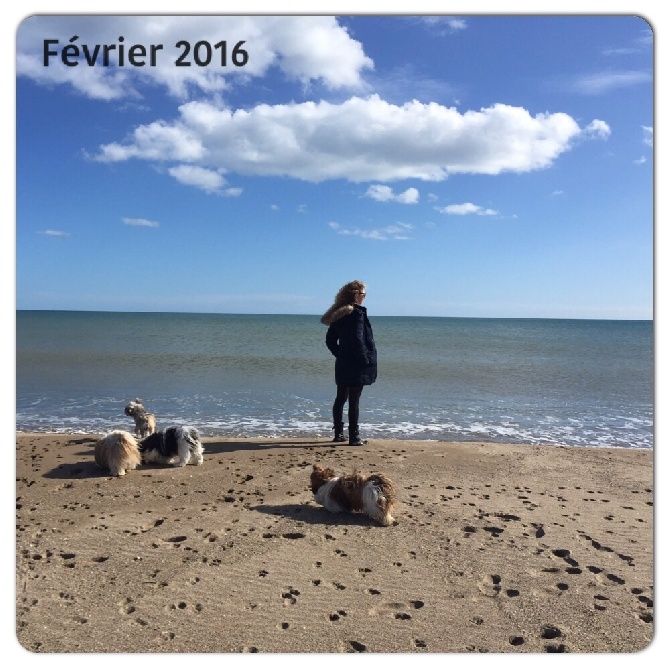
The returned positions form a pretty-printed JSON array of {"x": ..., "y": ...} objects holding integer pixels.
[{"x": 336, "y": 313}]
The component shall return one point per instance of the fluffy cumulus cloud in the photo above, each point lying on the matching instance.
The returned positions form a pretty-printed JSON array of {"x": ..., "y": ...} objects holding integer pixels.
[
  {"x": 597, "y": 129},
  {"x": 209, "y": 181},
  {"x": 384, "y": 193},
  {"x": 304, "y": 48},
  {"x": 360, "y": 139}
]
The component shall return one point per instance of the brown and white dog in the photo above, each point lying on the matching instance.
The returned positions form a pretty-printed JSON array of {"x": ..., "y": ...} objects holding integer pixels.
[
  {"x": 117, "y": 452},
  {"x": 374, "y": 494},
  {"x": 145, "y": 423}
]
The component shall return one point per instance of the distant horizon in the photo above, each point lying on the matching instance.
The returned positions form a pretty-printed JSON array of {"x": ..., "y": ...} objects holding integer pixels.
[{"x": 317, "y": 315}]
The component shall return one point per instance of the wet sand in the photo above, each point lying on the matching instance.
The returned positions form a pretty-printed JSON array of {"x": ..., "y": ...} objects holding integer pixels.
[{"x": 496, "y": 548}]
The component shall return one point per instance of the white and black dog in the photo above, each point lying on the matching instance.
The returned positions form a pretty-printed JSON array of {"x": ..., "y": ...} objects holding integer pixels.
[{"x": 176, "y": 445}]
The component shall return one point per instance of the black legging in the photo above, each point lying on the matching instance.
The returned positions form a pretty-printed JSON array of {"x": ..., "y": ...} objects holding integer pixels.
[{"x": 353, "y": 395}]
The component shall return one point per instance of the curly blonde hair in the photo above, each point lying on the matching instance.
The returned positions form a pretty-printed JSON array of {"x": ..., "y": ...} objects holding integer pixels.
[
  {"x": 344, "y": 301},
  {"x": 347, "y": 294}
]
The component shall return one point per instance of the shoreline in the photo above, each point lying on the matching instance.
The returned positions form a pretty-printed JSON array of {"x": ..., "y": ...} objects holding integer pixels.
[
  {"x": 327, "y": 437},
  {"x": 497, "y": 547}
]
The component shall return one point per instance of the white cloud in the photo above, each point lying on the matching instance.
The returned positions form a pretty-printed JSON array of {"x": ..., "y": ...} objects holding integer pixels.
[
  {"x": 597, "y": 129},
  {"x": 396, "y": 231},
  {"x": 408, "y": 197},
  {"x": 145, "y": 223},
  {"x": 648, "y": 136},
  {"x": 385, "y": 194},
  {"x": 157, "y": 141},
  {"x": 381, "y": 193},
  {"x": 316, "y": 47},
  {"x": 442, "y": 25},
  {"x": 361, "y": 139},
  {"x": 304, "y": 48},
  {"x": 209, "y": 181},
  {"x": 465, "y": 209}
]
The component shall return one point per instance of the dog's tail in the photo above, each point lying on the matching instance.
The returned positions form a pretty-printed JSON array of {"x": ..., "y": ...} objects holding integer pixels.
[
  {"x": 385, "y": 486},
  {"x": 379, "y": 498}
]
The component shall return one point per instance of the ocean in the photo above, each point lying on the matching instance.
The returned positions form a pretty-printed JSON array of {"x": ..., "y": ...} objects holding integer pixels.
[{"x": 533, "y": 381}]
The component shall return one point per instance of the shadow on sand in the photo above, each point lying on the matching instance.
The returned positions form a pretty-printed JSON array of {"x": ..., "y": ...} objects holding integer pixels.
[{"x": 314, "y": 515}]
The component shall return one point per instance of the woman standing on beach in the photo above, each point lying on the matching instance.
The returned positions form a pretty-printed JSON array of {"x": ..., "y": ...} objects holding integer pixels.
[{"x": 350, "y": 340}]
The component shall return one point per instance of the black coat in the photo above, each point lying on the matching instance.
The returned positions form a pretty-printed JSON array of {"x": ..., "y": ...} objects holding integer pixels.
[{"x": 350, "y": 340}]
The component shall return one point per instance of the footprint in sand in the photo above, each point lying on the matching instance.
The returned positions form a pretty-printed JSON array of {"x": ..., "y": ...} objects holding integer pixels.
[
  {"x": 337, "y": 586},
  {"x": 553, "y": 633},
  {"x": 336, "y": 616},
  {"x": 291, "y": 596},
  {"x": 126, "y": 606},
  {"x": 396, "y": 610},
  {"x": 489, "y": 585},
  {"x": 183, "y": 606},
  {"x": 68, "y": 558},
  {"x": 597, "y": 605}
]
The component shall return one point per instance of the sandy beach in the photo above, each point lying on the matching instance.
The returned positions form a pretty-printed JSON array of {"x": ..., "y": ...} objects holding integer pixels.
[{"x": 496, "y": 548}]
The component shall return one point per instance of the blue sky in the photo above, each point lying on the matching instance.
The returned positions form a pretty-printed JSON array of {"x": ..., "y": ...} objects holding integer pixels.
[{"x": 470, "y": 165}]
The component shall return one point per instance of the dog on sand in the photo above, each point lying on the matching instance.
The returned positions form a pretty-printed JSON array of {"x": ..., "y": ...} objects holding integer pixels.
[
  {"x": 145, "y": 422},
  {"x": 374, "y": 495},
  {"x": 176, "y": 445},
  {"x": 117, "y": 452}
]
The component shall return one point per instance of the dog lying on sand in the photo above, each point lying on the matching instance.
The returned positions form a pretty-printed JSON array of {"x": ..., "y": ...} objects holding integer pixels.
[
  {"x": 118, "y": 452},
  {"x": 374, "y": 495},
  {"x": 176, "y": 445}
]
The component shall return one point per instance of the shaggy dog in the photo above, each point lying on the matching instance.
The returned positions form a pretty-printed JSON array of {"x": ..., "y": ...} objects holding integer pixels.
[
  {"x": 374, "y": 494},
  {"x": 117, "y": 452},
  {"x": 145, "y": 423},
  {"x": 176, "y": 445}
]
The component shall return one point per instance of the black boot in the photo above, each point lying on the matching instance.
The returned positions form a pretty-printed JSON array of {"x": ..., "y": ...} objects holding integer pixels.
[
  {"x": 354, "y": 437},
  {"x": 339, "y": 432}
]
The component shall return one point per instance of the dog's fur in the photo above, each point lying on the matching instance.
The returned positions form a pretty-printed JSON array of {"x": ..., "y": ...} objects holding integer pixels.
[
  {"x": 374, "y": 494},
  {"x": 176, "y": 445},
  {"x": 145, "y": 422},
  {"x": 117, "y": 452}
]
